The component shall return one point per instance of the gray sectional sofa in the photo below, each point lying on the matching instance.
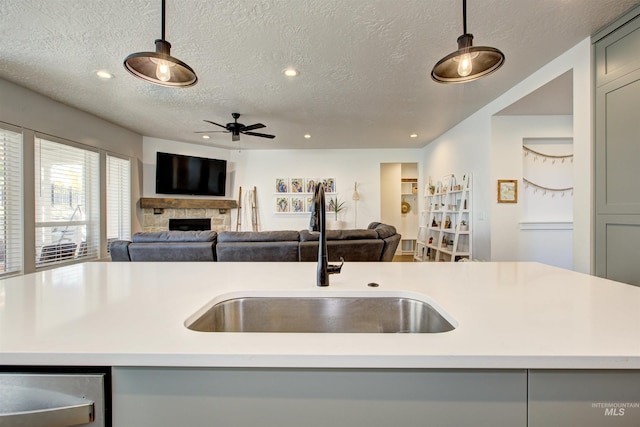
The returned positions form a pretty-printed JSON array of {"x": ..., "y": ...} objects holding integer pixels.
[{"x": 376, "y": 243}]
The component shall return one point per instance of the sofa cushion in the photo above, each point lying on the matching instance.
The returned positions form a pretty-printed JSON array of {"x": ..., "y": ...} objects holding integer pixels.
[
  {"x": 390, "y": 245},
  {"x": 350, "y": 250},
  {"x": 175, "y": 236},
  {"x": 259, "y": 236},
  {"x": 385, "y": 230},
  {"x": 308, "y": 236},
  {"x": 172, "y": 251},
  {"x": 279, "y": 251},
  {"x": 119, "y": 250}
]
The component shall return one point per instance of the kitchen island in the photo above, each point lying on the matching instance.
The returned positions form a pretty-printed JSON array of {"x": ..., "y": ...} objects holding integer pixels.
[{"x": 516, "y": 326}]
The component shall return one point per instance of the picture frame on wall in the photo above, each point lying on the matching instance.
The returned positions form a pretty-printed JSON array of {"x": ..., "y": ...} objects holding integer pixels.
[
  {"x": 507, "y": 191},
  {"x": 310, "y": 185},
  {"x": 297, "y": 185},
  {"x": 297, "y": 205},
  {"x": 282, "y": 185},
  {"x": 329, "y": 185},
  {"x": 309, "y": 204},
  {"x": 282, "y": 204}
]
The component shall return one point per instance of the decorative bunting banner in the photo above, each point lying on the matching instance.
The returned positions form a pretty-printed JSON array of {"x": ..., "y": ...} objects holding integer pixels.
[
  {"x": 545, "y": 190},
  {"x": 545, "y": 157}
]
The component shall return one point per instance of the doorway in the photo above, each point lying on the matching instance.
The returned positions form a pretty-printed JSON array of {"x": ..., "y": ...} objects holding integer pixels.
[{"x": 399, "y": 202}]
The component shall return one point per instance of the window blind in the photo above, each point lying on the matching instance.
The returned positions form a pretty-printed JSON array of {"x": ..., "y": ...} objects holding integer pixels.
[
  {"x": 67, "y": 203},
  {"x": 118, "y": 199},
  {"x": 10, "y": 202}
]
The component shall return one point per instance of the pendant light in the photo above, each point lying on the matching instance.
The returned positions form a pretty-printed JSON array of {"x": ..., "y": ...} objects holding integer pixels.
[
  {"x": 160, "y": 67},
  {"x": 469, "y": 62}
]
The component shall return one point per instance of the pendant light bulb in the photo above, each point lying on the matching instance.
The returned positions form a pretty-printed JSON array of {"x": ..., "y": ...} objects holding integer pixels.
[
  {"x": 465, "y": 65},
  {"x": 163, "y": 71}
]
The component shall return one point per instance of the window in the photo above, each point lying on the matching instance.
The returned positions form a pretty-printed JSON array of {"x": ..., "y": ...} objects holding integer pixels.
[
  {"x": 118, "y": 199},
  {"x": 67, "y": 203},
  {"x": 10, "y": 202}
]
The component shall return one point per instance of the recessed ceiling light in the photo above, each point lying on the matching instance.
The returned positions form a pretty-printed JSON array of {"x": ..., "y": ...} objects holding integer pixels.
[
  {"x": 104, "y": 74},
  {"x": 307, "y": 136},
  {"x": 205, "y": 137},
  {"x": 413, "y": 135},
  {"x": 291, "y": 72}
]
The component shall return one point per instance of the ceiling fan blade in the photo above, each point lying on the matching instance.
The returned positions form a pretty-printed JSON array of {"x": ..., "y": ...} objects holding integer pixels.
[
  {"x": 252, "y": 127},
  {"x": 262, "y": 135},
  {"x": 214, "y": 123},
  {"x": 212, "y": 131}
]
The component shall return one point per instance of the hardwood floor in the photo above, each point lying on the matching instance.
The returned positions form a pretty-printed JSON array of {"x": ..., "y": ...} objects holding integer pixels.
[{"x": 403, "y": 258}]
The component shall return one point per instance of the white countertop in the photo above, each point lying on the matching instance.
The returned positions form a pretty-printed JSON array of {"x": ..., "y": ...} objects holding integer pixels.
[{"x": 508, "y": 315}]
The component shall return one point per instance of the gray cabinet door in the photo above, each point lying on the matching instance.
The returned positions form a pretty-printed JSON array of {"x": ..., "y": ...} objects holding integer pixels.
[
  {"x": 560, "y": 398},
  {"x": 617, "y": 153},
  {"x": 319, "y": 398}
]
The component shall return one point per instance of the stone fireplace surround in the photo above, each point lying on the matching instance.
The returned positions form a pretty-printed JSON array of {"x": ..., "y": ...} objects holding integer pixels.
[{"x": 158, "y": 211}]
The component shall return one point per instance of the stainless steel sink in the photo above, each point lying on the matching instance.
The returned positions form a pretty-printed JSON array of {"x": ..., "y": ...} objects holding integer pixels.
[{"x": 322, "y": 314}]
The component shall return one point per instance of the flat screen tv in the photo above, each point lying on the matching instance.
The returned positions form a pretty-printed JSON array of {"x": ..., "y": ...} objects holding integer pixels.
[{"x": 178, "y": 174}]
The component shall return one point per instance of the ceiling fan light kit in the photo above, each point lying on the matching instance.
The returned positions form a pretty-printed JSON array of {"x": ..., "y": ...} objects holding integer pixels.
[
  {"x": 160, "y": 67},
  {"x": 469, "y": 62}
]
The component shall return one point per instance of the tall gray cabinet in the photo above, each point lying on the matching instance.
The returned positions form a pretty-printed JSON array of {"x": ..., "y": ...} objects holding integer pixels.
[{"x": 617, "y": 150}]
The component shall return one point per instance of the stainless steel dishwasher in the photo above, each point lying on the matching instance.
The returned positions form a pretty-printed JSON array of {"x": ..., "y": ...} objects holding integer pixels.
[{"x": 54, "y": 398}]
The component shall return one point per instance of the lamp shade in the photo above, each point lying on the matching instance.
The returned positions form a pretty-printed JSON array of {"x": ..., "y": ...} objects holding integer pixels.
[
  {"x": 469, "y": 62},
  {"x": 482, "y": 60},
  {"x": 356, "y": 195},
  {"x": 160, "y": 67}
]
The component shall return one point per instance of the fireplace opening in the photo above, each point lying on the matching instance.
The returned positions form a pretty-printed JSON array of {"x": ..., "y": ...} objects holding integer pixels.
[{"x": 187, "y": 224}]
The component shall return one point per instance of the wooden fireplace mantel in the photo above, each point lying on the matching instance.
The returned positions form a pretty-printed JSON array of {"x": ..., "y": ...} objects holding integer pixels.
[{"x": 173, "y": 203}]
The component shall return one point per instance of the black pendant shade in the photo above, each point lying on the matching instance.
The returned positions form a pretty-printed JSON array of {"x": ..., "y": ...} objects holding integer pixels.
[
  {"x": 160, "y": 67},
  {"x": 469, "y": 62}
]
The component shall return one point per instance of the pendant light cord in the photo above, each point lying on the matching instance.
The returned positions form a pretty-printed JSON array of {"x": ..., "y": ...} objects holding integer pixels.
[
  {"x": 163, "y": 9},
  {"x": 464, "y": 15}
]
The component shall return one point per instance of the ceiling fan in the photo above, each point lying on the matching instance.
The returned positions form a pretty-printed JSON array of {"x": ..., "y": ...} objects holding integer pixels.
[{"x": 236, "y": 128}]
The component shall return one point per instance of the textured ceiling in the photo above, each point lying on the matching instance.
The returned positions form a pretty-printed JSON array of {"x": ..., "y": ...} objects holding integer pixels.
[{"x": 364, "y": 64}]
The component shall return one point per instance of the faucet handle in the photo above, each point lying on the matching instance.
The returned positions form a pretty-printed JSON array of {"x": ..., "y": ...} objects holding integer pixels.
[{"x": 335, "y": 269}]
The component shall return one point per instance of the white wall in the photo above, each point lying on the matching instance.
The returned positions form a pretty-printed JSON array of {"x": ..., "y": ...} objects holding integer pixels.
[
  {"x": 390, "y": 179},
  {"x": 508, "y": 241},
  {"x": 30, "y": 110},
  {"x": 260, "y": 168},
  {"x": 465, "y": 149},
  {"x": 469, "y": 147}
]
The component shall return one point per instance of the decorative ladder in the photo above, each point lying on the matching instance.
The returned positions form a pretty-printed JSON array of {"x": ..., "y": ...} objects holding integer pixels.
[{"x": 254, "y": 212}]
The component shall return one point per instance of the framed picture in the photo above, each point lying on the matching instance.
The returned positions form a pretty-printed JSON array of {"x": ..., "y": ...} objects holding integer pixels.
[
  {"x": 507, "y": 191},
  {"x": 297, "y": 185},
  {"x": 311, "y": 185},
  {"x": 297, "y": 204},
  {"x": 330, "y": 185},
  {"x": 282, "y": 185},
  {"x": 282, "y": 204}
]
